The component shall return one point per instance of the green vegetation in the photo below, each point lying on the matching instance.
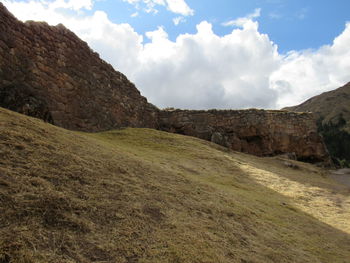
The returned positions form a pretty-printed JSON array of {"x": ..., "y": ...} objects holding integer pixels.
[
  {"x": 337, "y": 140},
  {"x": 141, "y": 195},
  {"x": 332, "y": 111}
]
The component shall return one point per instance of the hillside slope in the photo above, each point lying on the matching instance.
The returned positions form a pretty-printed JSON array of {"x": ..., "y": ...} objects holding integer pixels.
[
  {"x": 332, "y": 110},
  {"x": 328, "y": 105},
  {"x": 140, "y": 195}
]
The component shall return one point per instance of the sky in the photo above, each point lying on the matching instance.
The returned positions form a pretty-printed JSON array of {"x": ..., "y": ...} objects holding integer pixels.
[{"x": 204, "y": 54}]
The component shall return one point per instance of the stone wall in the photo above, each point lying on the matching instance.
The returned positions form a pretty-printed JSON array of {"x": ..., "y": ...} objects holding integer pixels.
[
  {"x": 49, "y": 73},
  {"x": 258, "y": 132},
  {"x": 78, "y": 89}
]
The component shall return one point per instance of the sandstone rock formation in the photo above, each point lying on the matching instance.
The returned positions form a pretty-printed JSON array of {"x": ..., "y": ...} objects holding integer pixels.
[
  {"x": 259, "y": 132},
  {"x": 49, "y": 73},
  {"x": 81, "y": 91}
]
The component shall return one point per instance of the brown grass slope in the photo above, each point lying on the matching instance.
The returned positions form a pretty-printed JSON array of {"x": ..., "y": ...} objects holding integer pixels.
[
  {"x": 328, "y": 105},
  {"x": 140, "y": 195}
]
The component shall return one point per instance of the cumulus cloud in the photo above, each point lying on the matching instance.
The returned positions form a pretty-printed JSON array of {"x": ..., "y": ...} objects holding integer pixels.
[
  {"x": 204, "y": 70},
  {"x": 174, "y": 6},
  {"x": 243, "y": 20},
  {"x": 179, "y": 7},
  {"x": 306, "y": 73}
]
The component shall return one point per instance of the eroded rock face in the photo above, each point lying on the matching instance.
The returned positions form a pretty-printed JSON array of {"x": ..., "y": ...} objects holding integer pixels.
[
  {"x": 80, "y": 91},
  {"x": 258, "y": 132}
]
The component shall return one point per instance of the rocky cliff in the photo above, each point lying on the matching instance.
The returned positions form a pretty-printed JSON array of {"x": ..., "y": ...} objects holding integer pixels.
[{"x": 49, "y": 73}]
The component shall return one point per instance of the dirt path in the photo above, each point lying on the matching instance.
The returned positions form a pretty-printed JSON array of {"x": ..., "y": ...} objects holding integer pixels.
[{"x": 341, "y": 175}]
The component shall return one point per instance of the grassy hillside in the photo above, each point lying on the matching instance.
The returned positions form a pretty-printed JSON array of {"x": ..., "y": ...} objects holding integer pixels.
[
  {"x": 140, "y": 195},
  {"x": 328, "y": 106}
]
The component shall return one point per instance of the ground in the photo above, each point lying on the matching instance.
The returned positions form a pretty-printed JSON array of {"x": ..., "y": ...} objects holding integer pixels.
[{"x": 141, "y": 195}]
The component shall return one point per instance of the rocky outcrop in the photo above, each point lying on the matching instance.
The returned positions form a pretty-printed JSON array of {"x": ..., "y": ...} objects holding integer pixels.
[
  {"x": 74, "y": 86},
  {"x": 259, "y": 132},
  {"x": 49, "y": 73}
]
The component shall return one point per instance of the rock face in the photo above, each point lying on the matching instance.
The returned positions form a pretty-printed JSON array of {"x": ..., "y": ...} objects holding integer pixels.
[
  {"x": 259, "y": 132},
  {"x": 79, "y": 90},
  {"x": 49, "y": 73}
]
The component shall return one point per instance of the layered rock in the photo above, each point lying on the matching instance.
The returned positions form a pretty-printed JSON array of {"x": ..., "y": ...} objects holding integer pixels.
[
  {"x": 49, "y": 73},
  {"x": 259, "y": 132},
  {"x": 75, "y": 87}
]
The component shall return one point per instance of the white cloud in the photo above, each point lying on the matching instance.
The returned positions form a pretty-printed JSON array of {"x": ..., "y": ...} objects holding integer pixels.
[
  {"x": 149, "y": 5},
  {"x": 179, "y": 7},
  {"x": 242, "y": 20},
  {"x": 178, "y": 20},
  {"x": 310, "y": 72},
  {"x": 73, "y": 4},
  {"x": 174, "y": 6},
  {"x": 51, "y": 12},
  {"x": 203, "y": 70}
]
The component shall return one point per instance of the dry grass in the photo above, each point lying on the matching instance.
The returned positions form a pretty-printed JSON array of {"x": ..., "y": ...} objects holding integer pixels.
[
  {"x": 139, "y": 195},
  {"x": 329, "y": 105}
]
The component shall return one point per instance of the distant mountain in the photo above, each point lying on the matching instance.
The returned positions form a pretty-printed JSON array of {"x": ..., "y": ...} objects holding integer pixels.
[
  {"x": 332, "y": 110},
  {"x": 329, "y": 106}
]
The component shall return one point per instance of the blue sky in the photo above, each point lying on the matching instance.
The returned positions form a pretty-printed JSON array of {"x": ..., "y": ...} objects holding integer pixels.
[
  {"x": 292, "y": 24},
  {"x": 212, "y": 54}
]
